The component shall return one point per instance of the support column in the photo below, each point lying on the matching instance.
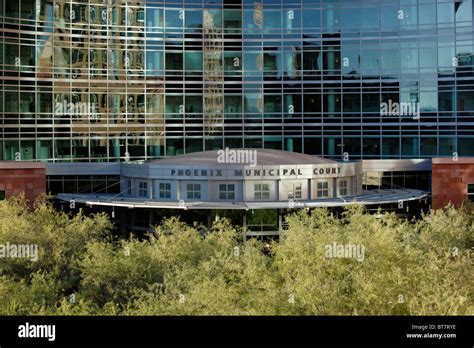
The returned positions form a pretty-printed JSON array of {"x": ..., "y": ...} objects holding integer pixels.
[
  {"x": 123, "y": 222},
  {"x": 289, "y": 144},
  {"x": 331, "y": 150},
  {"x": 244, "y": 223},
  {"x": 280, "y": 221},
  {"x": 115, "y": 148},
  {"x": 414, "y": 149},
  {"x": 151, "y": 218},
  {"x": 132, "y": 219},
  {"x": 209, "y": 220}
]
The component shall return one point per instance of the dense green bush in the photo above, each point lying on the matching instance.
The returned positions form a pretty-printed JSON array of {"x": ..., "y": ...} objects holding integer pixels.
[{"x": 418, "y": 267}]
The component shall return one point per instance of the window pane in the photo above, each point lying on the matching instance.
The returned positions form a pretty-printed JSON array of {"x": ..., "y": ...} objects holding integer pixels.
[
  {"x": 389, "y": 17},
  {"x": 193, "y": 61},
  {"x": 291, "y": 20},
  {"x": 331, "y": 19},
  {"x": 154, "y": 19},
  {"x": 193, "y": 19},
  {"x": 446, "y": 12},
  {"x": 272, "y": 21},
  {"x": 193, "y": 104},
  {"x": 311, "y": 19},
  {"x": 463, "y": 12},
  {"x": 174, "y": 18},
  {"x": 232, "y": 21},
  {"x": 350, "y": 17},
  {"x": 427, "y": 15},
  {"x": 174, "y": 61},
  {"x": 370, "y": 18}
]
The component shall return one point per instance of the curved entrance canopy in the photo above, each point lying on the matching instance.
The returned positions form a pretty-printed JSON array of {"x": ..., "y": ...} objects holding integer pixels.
[{"x": 243, "y": 179}]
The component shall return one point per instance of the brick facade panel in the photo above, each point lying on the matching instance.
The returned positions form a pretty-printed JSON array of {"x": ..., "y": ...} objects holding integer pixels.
[
  {"x": 18, "y": 178},
  {"x": 449, "y": 183}
]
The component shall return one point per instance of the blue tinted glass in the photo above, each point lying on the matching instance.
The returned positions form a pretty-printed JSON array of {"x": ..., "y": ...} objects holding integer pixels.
[
  {"x": 311, "y": 19},
  {"x": 193, "y": 19},
  {"x": 174, "y": 18}
]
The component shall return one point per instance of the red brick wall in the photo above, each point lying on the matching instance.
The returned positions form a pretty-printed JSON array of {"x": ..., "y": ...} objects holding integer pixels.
[
  {"x": 19, "y": 177},
  {"x": 449, "y": 181}
]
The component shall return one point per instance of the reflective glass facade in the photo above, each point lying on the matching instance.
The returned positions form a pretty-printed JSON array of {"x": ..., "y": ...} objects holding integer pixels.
[{"x": 102, "y": 80}]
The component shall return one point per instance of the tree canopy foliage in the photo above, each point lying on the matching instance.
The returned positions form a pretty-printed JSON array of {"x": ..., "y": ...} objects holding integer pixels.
[{"x": 419, "y": 267}]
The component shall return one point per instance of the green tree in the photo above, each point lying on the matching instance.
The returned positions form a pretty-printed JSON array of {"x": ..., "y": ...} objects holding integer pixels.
[
  {"x": 419, "y": 267},
  {"x": 408, "y": 267},
  {"x": 61, "y": 243}
]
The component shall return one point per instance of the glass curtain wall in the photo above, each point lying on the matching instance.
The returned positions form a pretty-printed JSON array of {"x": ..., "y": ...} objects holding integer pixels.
[{"x": 110, "y": 80}]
